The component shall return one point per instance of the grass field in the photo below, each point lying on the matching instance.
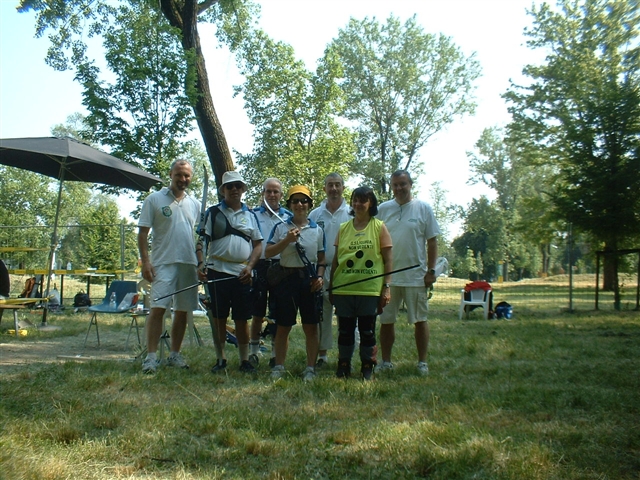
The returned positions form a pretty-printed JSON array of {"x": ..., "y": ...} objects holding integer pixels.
[{"x": 548, "y": 395}]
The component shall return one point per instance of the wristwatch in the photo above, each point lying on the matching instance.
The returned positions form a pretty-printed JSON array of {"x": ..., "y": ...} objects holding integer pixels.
[
  {"x": 432, "y": 271},
  {"x": 387, "y": 285}
]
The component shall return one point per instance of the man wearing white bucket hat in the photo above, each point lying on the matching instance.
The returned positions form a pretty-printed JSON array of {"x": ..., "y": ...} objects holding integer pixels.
[{"x": 234, "y": 247}]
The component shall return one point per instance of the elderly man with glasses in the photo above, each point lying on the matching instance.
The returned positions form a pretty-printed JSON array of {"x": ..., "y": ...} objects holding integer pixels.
[{"x": 234, "y": 247}]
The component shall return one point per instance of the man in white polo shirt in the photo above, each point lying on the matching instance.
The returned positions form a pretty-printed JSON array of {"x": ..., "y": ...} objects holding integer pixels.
[
  {"x": 414, "y": 230},
  {"x": 172, "y": 215}
]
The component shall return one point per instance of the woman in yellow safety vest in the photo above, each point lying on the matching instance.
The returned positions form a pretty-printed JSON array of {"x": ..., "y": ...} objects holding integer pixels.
[{"x": 363, "y": 250}]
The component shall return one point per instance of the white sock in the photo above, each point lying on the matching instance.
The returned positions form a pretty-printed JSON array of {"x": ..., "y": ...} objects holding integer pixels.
[{"x": 152, "y": 355}]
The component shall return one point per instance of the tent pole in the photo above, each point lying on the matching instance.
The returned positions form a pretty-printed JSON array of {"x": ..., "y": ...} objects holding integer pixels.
[{"x": 54, "y": 244}]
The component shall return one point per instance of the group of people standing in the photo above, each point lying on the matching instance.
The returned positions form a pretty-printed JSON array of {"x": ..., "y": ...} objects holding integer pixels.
[{"x": 280, "y": 264}]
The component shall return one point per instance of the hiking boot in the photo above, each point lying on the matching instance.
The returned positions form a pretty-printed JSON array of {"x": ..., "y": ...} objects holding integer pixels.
[
  {"x": 177, "y": 360},
  {"x": 386, "y": 367},
  {"x": 220, "y": 366},
  {"x": 150, "y": 365},
  {"x": 322, "y": 362},
  {"x": 367, "y": 370},
  {"x": 309, "y": 374},
  {"x": 423, "y": 368},
  {"x": 344, "y": 368},
  {"x": 254, "y": 360},
  {"x": 277, "y": 372},
  {"x": 246, "y": 367}
]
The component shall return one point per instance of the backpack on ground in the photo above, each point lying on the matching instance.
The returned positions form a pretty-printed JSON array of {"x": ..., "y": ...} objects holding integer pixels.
[
  {"x": 81, "y": 299},
  {"x": 504, "y": 310}
]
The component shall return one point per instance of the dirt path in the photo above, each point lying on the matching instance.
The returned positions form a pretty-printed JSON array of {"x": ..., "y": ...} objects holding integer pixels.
[{"x": 23, "y": 352}]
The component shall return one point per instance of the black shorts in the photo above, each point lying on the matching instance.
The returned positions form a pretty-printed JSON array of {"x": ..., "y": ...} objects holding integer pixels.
[
  {"x": 294, "y": 295},
  {"x": 229, "y": 296},
  {"x": 260, "y": 292}
]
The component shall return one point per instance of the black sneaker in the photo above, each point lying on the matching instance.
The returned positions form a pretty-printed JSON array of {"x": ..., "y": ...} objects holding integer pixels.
[
  {"x": 367, "y": 371},
  {"x": 344, "y": 369},
  {"x": 220, "y": 366},
  {"x": 322, "y": 362},
  {"x": 246, "y": 367},
  {"x": 272, "y": 362}
]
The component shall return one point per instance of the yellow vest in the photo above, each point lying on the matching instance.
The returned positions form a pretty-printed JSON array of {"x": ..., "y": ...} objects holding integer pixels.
[{"x": 359, "y": 257}]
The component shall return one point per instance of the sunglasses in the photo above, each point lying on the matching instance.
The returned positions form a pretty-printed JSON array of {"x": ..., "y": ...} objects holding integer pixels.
[
  {"x": 304, "y": 201},
  {"x": 237, "y": 185}
]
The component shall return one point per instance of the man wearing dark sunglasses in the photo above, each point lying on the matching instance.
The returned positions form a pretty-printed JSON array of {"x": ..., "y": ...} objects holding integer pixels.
[{"x": 232, "y": 256}]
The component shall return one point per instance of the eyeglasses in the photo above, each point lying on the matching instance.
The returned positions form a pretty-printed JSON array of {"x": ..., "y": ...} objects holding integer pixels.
[
  {"x": 304, "y": 200},
  {"x": 237, "y": 185}
]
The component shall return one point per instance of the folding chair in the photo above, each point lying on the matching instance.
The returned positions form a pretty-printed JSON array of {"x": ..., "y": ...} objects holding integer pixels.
[
  {"x": 126, "y": 299},
  {"x": 477, "y": 297}
]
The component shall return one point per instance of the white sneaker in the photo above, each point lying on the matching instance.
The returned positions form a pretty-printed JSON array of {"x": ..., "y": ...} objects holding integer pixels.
[
  {"x": 423, "y": 368},
  {"x": 177, "y": 360},
  {"x": 309, "y": 374},
  {"x": 150, "y": 365},
  {"x": 277, "y": 372},
  {"x": 385, "y": 367}
]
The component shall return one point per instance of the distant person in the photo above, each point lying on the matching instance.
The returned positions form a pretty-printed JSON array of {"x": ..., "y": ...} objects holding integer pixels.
[
  {"x": 234, "y": 248},
  {"x": 332, "y": 212},
  {"x": 263, "y": 299},
  {"x": 171, "y": 215},
  {"x": 5, "y": 284},
  {"x": 363, "y": 250},
  {"x": 5, "y": 281},
  {"x": 301, "y": 245},
  {"x": 414, "y": 230}
]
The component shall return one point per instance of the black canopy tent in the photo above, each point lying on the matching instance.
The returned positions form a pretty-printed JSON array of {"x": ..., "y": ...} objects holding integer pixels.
[{"x": 68, "y": 159}]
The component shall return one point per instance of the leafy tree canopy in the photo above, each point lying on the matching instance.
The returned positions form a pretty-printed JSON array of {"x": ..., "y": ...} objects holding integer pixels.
[
  {"x": 580, "y": 114},
  {"x": 402, "y": 85}
]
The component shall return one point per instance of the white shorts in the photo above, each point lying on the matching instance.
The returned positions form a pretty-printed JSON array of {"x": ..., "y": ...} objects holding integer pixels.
[
  {"x": 416, "y": 300},
  {"x": 170, "y": 278}
]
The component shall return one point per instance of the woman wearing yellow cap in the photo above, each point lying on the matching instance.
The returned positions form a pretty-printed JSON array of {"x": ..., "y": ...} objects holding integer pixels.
[{"x": 301, "y": 245}]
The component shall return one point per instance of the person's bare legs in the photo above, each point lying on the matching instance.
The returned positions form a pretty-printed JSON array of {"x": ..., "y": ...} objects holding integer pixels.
[
  {"x": 242, "y": 335},
  {"x": 256, "y": 331},
  {"x": 178, "y": 329},
  {"x": 154, "y": 328},
  {"x": 387, "y": 339},
  {"x": 311, "y": 340},
  {"x": 422, "y": 340},
  {"x": 282, "y": 344},
  {"x": 221, "y": 334}
]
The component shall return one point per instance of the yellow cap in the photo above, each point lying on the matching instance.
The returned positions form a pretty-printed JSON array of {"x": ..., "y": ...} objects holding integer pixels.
[{"x": 298, "y": 189}]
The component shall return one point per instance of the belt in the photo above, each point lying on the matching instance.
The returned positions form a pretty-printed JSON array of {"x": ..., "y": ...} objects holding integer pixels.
[{"x": 268, "y": 261}]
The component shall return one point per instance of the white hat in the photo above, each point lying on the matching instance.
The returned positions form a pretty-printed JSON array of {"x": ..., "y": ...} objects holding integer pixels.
[{"x": 231, "y": 177}]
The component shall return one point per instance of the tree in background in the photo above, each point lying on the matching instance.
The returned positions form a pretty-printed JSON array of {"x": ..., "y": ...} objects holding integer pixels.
[
  {"x": 73, "y": 21},
  {"x": 485, "y": 234},
  {"x": 402, "y": 86},
  {"x": 497, "y": 164},
  {"x": 293, "y": 111},
  {"x": 145, "y": 113},
  {"x": 580, "y": 114},
  {"x": 96, "y": 241},
  {"x": 25, "y": 199}
]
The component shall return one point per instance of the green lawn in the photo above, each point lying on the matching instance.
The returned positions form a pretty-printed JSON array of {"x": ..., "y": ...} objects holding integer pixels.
[{"x": 547, "y": 395}]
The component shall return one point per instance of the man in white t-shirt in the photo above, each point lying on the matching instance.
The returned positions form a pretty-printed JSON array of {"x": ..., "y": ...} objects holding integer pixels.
[
  {"x": 332, "y": 212},
  {"x": 171, "y": 214},
  {"x": 414, "y": 230}
]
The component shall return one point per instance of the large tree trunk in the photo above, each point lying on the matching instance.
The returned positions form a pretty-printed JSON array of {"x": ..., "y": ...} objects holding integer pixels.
[{"x": 184, "y": 15}]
